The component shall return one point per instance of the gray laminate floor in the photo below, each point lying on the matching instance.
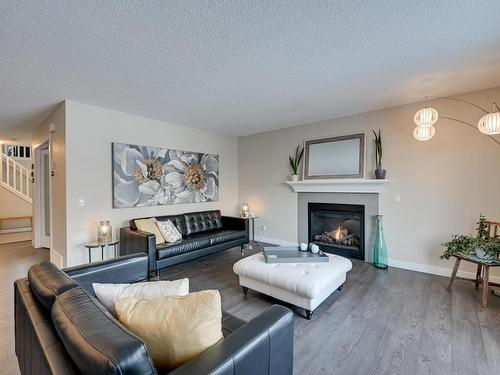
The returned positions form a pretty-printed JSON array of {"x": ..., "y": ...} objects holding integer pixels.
[
  {"x": 15, "y": 259},
  {"x": 383, "y": 322}
]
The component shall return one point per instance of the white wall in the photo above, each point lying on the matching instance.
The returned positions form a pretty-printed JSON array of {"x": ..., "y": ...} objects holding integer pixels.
[
  {"x": 11, "y": 205},
  {"x": 58, "y": 251},
  {"x": 444, "y": 183},
  {"x": 90, "y": 132}
]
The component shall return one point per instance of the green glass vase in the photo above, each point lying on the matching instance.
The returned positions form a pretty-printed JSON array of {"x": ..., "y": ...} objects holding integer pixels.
[{"x": 379, "y": 247}]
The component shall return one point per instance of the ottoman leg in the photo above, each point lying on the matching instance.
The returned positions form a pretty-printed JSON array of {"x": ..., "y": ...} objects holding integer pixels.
[
  {"x": 309, "y": 314},
  {"x": 340, "y": 287},
  {"x": 245, "y": 290}
]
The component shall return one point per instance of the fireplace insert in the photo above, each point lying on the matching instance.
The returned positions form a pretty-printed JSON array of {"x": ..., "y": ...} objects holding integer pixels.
[{"x": 338, "y": 228}]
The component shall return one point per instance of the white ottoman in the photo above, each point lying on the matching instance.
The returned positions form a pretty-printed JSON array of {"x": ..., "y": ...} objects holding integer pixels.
[{"x": 302, "y": 284}]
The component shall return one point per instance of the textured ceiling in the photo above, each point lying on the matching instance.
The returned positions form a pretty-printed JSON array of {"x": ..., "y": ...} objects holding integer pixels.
[{"x": 241, "y": 67}]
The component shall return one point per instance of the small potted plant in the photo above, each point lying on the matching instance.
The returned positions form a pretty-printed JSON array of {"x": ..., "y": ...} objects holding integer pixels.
[
  {"x": 295, "y": 161},
  {"x": 379, "y": 172},
  {"x": 483, "y": 246}
]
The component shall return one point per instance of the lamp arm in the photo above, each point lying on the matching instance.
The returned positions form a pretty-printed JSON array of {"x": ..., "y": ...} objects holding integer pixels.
[
  {"x": 458, "y": 100},
  {"x": 470, "y": 125}
]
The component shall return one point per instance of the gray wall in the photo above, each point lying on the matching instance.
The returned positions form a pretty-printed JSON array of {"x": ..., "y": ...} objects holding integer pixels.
[{"x": 444, "y": 184}]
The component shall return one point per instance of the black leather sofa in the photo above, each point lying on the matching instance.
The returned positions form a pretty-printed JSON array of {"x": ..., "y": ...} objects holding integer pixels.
[
  {"x": 61, "y": 328},
  {"x": 203, "y": 233}
]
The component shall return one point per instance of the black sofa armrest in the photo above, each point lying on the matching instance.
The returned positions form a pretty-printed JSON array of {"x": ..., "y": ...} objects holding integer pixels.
[
  {"x": 263, "y": 346},
  {"x": 127, "y": 269},
  {"x": 137, "y": 241},
  {"x": 236, "y": 223}
]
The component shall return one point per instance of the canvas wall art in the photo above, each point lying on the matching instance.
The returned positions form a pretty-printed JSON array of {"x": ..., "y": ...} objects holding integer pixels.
[{"x": 150, "y": 176}]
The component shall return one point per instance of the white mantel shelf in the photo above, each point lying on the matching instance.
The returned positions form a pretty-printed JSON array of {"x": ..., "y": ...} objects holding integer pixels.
[{"x": 345, "y": 185}]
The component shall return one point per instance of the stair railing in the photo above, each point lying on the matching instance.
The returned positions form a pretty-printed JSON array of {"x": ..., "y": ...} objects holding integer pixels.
[{"x": 15, "y": 178}]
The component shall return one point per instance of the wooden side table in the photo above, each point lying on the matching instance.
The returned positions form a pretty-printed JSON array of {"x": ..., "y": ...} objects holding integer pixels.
[
  {"x": 102, "y": 245},
  {"x": 482, "y": 273}
]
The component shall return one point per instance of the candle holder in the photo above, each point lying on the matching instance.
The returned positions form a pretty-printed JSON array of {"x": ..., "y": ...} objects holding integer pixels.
[
  {"x": 104, "y": 233},
  {"x": 245, "y": 210}
]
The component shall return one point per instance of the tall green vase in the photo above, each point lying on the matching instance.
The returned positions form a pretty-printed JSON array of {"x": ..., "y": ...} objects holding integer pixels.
[{"x": 379, "y": 247}]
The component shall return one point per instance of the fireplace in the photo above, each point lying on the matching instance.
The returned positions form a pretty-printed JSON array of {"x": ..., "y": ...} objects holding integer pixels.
[{"x": 338, "y": 228}]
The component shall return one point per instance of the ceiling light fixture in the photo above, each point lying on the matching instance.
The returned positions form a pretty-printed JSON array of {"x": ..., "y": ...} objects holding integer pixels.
[{"x": 426, "y": 117}]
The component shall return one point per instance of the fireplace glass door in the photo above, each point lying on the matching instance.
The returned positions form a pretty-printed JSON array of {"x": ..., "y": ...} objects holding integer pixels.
[{"x": 338, "y": 228}]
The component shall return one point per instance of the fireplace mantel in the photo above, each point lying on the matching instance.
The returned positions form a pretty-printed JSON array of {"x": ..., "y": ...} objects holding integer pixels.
[{"x": 345, "y": 185}]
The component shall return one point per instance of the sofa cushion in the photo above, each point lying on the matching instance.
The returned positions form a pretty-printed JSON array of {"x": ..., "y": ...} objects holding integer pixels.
[
  {"x": 151, "y": 226},
  {"x": 176, "y": 328},
  {"x": 169, "y": 232},
  {"x": 178, "y": 221},
  {"x": 221, "y": 236},
  {"x": 197, "y": 222},
  {"x": 168, "y": 250},
  {"x": 46, "y": 281},
  {"x": 95, "y": 340},
  {"x": 108, "y": 294}
]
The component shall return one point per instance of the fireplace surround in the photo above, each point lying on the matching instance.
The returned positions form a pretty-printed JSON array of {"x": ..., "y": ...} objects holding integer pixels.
[
  {"x": 338, "y": 228},
  {"x": 370, "y": 201}
]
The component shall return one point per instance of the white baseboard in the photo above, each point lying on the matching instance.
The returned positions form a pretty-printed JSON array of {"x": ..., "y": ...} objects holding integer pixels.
[
  {"x": 419, "y": 267},
  {"x": 56, "y": 258},
  {"x": 435, "y": 270}
]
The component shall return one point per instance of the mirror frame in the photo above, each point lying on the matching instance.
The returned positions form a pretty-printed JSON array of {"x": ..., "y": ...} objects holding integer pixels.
[{"x": 361, "y": 174}]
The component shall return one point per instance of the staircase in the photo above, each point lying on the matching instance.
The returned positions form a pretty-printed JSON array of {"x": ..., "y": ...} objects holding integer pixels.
[{"x": 15, "y": 178}]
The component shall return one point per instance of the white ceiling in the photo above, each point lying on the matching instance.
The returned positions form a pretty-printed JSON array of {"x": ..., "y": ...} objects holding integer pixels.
[{"x": 241, "y": 67}]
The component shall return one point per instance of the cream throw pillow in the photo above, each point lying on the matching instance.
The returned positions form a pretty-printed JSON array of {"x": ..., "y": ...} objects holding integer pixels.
[
  {"x": 169, "y": 231},
  {"x": 175, "y": 329},
  {"x": 150, "y": 226},
  {"x": 107, "y": 294}
]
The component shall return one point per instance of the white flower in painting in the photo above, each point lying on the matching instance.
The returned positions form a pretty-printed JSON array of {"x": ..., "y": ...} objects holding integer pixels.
[
  {"x": 191, "y": 179},
  {"x": 142, "y": 172}
]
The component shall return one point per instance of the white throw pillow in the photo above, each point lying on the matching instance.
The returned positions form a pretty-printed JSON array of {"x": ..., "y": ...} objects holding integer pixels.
[
  {"x": 107, "y": 294},
  {"x": 169, "y": 231}
]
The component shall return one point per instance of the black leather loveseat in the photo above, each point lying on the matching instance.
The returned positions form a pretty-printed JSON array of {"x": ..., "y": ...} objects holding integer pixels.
[
  {"x": 203, "y": 233},
  {"x": 62, "y": 329}
]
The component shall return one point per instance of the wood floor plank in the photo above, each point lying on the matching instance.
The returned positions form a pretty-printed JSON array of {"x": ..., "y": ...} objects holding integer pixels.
[
  {"x": 434, "y": 357},
  {"x": 368, "y": 349},
  {"x": 468, "y": 354},
  {"x": 15, "y": 260}
]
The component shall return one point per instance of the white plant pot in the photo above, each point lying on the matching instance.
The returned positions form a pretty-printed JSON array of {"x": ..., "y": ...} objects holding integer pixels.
[{"x": 294, "y": 177}]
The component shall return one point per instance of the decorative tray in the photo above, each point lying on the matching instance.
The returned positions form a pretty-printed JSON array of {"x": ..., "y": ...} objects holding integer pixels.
[{"x": 292, "y": 254}]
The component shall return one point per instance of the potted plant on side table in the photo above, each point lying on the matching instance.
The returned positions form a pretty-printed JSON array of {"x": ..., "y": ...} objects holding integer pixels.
[
  {"x": 295, "y": 162},
  {"x": 379, "y": 172},
  {"x": 483, "y": 246}
]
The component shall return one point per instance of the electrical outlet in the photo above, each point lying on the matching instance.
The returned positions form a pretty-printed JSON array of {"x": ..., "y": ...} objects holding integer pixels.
[
  {"x": 397, "y": 198},
  {"x": 81, "y": 202}
]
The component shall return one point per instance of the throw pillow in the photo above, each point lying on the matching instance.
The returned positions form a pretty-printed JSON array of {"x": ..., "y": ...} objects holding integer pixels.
[
  {"x": 175, "y": 329},
  {"x": 150, "y": 226},
  {"x": 108, "y": 294},
  {"x": 169, "y": 231}
]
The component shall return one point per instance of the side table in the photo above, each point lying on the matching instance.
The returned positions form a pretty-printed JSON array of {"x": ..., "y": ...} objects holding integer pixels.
[
  {"x": 102, "y": 245},
  {"x": 252, "y": 242},
  {"x": 482, "y": 274}
]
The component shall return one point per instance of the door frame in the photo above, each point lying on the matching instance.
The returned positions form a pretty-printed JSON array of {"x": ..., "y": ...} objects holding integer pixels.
[{"x": 38, "y": 230}]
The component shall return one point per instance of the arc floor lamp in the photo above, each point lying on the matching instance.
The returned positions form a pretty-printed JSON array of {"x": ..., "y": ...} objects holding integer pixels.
[{"x": 426, "y": 117}]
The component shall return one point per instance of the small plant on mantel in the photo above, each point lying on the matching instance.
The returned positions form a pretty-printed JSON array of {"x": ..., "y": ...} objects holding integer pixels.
[
  {"x": 379, "y": 172},
  {"x": 482, "y": 245},
  {"x": 295, "y": 162}
]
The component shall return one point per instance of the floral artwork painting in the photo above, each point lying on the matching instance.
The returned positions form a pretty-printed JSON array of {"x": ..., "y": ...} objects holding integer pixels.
[{"x": 151, "y": 176}]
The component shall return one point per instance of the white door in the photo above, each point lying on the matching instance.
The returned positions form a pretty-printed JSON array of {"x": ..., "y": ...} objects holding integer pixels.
[{"x": 45, "y": 198}]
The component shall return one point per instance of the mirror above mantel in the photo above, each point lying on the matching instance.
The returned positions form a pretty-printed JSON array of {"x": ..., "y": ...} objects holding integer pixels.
[{"x": 341, "y": 157}]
